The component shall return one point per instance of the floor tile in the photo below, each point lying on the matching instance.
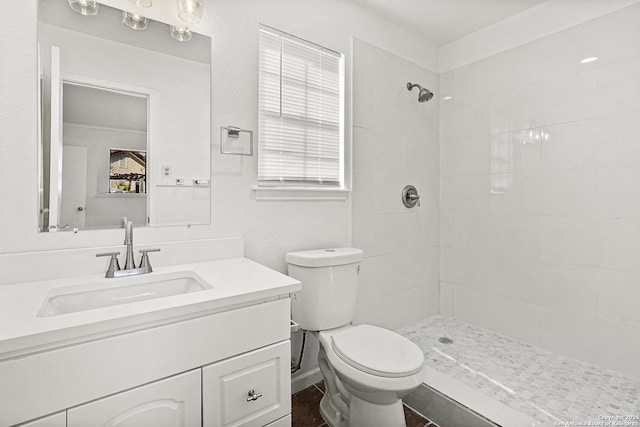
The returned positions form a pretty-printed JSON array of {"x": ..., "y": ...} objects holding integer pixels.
[
  {"x": 414, "y": 419},
  {"x": 305, "y": 408},
  {"x": 529, "y": 380}
]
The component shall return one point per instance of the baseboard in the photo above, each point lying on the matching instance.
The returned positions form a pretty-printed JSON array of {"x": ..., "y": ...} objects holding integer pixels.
[{"x": 305, "y": 379}]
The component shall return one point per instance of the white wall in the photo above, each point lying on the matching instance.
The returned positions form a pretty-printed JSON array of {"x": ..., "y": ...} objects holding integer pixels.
[
  {"x": 395, "y": 143},
  {"x": 270, "y": 228},
  {"x": 541, "y": 239},
  {"x": 273, "y": 228}
]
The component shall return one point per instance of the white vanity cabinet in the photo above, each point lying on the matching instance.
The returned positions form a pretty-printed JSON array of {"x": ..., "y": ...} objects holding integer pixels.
[
  {"x": 172, "y": 402},
  {"x": 188, "y": 372},
  {"x": 251, "y": 390}
]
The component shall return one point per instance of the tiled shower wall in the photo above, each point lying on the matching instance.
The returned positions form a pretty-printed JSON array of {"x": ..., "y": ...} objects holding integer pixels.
[
  {"x": 540, "y": 192},
  {"x": 395, "y": 143}
]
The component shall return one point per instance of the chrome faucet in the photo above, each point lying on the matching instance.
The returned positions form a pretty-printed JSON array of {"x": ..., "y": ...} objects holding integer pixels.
[{"x": 129, "y": 264}]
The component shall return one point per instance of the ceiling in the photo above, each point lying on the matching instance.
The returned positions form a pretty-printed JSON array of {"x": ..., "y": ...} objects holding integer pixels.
[{"x": 443, "y": 21}]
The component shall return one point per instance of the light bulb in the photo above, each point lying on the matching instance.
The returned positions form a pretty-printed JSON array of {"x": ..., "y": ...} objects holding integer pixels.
[
  {"x": 84, "y": 7},
  {"x": 181, "y": 34},
  {"x": 190, "y": 10}
]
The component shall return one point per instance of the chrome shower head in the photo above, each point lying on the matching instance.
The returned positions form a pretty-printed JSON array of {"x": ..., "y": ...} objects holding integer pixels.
[{"x": 424, "y": 95}]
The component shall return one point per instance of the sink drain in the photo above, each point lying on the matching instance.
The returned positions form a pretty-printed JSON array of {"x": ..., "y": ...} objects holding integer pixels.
[{"x": 445, "y": 340}]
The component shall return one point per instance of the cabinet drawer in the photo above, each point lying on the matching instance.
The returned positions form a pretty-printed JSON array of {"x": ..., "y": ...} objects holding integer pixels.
[
  {"x": 253, "y": 389},
  {"x": 172, "y": 402}
]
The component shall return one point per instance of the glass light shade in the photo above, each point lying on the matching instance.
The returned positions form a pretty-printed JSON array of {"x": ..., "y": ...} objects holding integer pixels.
[
  {"x": 135, "y": 21},
  {"x": 84, "y": 7},
  {"x": 190, "y": 10},
  {"x": 142, "y": 3},
  {"x": 180, "y": 33}
]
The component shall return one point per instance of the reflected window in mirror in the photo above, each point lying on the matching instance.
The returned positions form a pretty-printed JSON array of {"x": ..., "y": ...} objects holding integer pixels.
[{"x": 127, "y": 171}]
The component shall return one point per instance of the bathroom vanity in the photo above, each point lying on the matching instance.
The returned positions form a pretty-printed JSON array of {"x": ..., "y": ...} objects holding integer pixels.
[{"x": 214, "y": 353}]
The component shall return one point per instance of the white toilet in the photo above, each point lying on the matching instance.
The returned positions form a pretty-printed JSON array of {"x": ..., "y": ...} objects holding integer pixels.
[{"x": 367, "y": 369}]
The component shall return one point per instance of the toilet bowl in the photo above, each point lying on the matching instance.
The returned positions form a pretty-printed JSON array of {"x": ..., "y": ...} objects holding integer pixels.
[
  {"x": 375, "y": 367},
  {"x": 367, "y": 369}
]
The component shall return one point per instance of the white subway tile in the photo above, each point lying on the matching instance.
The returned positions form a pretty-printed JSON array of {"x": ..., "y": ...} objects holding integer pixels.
[
  {"x": 471, "y": 305},
  {"x": 618, "y": 190},
  {"x": 366, "y": 234},
  {"x": 366, "y": 150},
  {"x": 618, "y": 296},
  {"x": 363, "y": 193},
  {"x": 446, "y": 299}
]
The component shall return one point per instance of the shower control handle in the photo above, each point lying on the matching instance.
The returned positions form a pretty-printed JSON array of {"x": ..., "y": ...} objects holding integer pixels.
[{"x": 410, "y": 196}]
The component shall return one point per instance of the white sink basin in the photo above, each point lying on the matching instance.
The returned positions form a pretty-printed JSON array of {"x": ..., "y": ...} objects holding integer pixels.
[{"x": 110, "y": 292}]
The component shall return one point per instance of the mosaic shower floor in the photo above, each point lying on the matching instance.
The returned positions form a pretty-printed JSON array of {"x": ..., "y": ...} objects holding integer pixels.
[{"x": 548, "y": 387}]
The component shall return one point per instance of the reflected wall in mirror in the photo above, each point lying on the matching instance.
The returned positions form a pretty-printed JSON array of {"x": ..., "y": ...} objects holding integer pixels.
[
  {"x": 112, "y": 96},
  {"x": 95, "y": 120}
]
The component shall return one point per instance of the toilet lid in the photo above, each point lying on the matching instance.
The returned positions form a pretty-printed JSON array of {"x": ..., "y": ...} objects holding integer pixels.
[{"x": 378, "y": 351}]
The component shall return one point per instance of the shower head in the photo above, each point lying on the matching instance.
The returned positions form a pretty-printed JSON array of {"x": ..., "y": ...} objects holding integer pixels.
[{"x": 424, "y": 95}]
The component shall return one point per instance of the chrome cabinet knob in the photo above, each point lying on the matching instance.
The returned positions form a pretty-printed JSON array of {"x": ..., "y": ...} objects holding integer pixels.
[{"x": 253, "y": 396}]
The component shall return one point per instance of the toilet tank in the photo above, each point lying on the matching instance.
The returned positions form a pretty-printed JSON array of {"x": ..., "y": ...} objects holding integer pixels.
[{"x": 329, "y": 291}]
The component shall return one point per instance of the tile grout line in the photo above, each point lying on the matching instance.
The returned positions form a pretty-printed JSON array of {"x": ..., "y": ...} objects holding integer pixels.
[{"x": 319, "y": 389}]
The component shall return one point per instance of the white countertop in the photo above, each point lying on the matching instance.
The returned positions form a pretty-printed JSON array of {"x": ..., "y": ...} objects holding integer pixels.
[{"x": 235, "y": 282}]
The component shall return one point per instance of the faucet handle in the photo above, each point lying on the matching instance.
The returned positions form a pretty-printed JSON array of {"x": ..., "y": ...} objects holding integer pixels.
[
  {"x": 144, "y": 261},
  {"x": 114, "y": 265}
]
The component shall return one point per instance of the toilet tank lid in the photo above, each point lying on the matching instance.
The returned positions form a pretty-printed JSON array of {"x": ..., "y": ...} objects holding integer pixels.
[{"x": 325, "y": 257}]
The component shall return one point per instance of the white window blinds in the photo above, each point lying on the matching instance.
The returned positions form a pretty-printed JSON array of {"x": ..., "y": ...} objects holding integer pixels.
[{"x": 300, "y": 111}]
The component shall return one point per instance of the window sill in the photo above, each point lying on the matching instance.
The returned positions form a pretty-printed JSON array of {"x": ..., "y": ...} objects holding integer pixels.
[
  {"x": 121, "y": 195},
  {"x": 300, "y": 193}
]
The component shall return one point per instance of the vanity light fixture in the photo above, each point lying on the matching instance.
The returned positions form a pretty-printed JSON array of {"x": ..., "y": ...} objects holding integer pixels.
[
  {"x": 84, "y": 7},
  {"x": 190, "y": 10},
  {"x": 135, "y": 21},
  {"x": 590, "y": 59},
  {"x": 182, "y": 34},
  {"x": 142, "y": 3},
  {"x": 447, "y": 98}
]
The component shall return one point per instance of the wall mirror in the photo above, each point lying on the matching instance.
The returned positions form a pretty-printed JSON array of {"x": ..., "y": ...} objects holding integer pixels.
[{"x": 124, "y": 121}]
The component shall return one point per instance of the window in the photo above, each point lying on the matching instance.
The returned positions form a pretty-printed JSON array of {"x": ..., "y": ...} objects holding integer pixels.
[
  {"x": 300, "y": 140},
  {"x": 127, "y": 171}
]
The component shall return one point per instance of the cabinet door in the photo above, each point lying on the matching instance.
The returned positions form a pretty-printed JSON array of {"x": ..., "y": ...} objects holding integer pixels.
[
  {"x": 251, "y": 390},
  {"x": 55, "y": 420},
  {"x": 172, "y": 402}
]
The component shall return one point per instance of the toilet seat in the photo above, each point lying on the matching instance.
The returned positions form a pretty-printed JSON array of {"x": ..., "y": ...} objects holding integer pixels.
[{"x": 377, "y": 351}]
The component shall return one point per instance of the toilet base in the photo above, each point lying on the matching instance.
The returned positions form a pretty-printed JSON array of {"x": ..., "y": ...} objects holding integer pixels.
[
  {"x": 363, "y": 414},
  {"x": 331, "y": 415},
  {"x": 366, "y": 414}
]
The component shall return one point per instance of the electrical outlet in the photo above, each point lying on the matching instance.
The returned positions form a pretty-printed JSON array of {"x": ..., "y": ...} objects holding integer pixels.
[{"x": 166, "y": 171}]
